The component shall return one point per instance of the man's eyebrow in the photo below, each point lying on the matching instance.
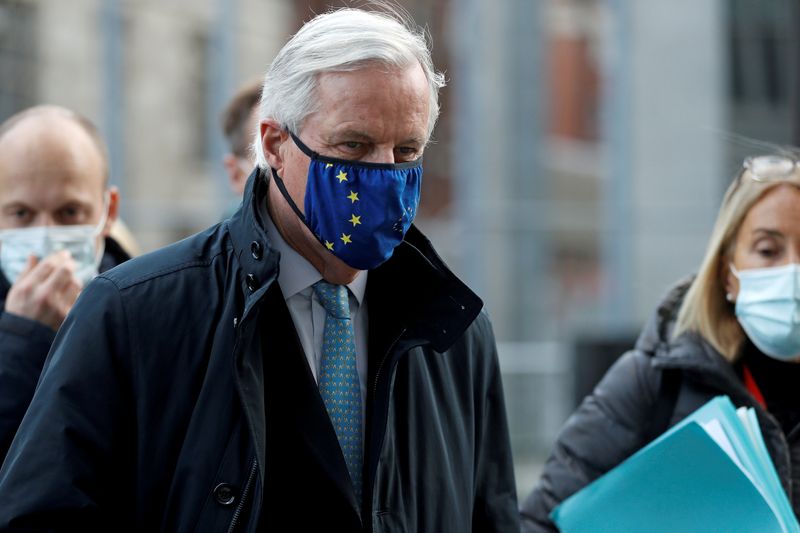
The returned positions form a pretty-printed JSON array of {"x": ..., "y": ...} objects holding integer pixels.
[
  {"x": 348, "y": 134},
  {"x": 414, "y": 141},
  {"x": 14, "y": 204},
  {"x": 363, "y": 136}
]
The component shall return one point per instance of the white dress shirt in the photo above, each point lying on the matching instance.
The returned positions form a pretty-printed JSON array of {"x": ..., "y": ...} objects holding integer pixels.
[{"x": 296, "y": 279}]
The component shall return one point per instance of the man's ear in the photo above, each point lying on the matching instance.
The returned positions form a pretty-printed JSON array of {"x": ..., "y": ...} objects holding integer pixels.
[
  {"x": 113, "y": 210},
  {"x": 272, "y": 138}
]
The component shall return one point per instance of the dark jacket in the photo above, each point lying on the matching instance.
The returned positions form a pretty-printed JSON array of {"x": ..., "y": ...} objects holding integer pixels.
[
  {"x": 615, "y": 420},
  {"x": 177, "y": 398},
  {"x": 24, "y": 344}
]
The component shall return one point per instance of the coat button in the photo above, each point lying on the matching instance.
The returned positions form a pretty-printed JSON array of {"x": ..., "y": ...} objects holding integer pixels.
[
  {"x": 251, "y": 282},
  {"x": 256, "y": 250},
  {"x": 225, "y": 494}
]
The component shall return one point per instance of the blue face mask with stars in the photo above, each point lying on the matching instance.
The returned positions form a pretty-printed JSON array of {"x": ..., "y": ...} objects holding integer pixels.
[{"x": 359, "y": 211}]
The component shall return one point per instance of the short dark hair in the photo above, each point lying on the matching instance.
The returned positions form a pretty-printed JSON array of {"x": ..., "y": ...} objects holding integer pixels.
[{"x": 236, "y": 116}]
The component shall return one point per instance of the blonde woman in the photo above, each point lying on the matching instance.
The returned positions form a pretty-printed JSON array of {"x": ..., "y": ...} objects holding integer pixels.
[{"x": 733, "y": 329}]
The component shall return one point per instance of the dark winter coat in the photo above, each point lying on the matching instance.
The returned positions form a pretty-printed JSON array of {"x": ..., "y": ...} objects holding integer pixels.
[
  {"x": 24, "y": 344},
  {"x": 615, "y": 420},
  {"x": 177, "y": 398}
]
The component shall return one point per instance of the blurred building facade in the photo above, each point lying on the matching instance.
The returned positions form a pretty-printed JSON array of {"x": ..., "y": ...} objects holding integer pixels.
[
  {"x": 154, "y": 76},
  {"x": 582, "y": 151},
  {"x": 639, "y": 114}
]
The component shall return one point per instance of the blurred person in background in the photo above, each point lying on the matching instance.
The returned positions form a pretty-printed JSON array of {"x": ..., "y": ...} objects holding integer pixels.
[
  {"x": 122, "y": 235},
  {"x": 734, "y": 329},
  {"x": 310, "y": 364},
  {"x": 56, "y": 211},
  {"x": 239, "y": 121}
]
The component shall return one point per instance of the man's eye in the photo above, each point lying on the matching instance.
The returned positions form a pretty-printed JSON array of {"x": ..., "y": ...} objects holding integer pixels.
[
  {"x": 406, "y": 153},
  {"x": 21, "y": 216},
  {"x": 70, "y": 215}
]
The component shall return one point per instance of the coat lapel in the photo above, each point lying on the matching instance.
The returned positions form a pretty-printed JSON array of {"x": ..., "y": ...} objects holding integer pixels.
[{"x": 306, "y": 418}]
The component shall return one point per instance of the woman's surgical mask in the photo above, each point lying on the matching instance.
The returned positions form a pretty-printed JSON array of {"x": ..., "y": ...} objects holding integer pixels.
[
  {"x": 768, "y": 308},
  {"x": 16, "y": 245}
]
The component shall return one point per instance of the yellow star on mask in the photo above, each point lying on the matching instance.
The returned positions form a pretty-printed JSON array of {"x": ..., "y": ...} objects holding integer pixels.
[
  {"x": 353, "y": 197},
  {"x": 329, "y": 165},
  {"x": 345, "y": 239},
  {"x": 329, "y": 245},
  {"x": 341, "y": 176},
  {"x": 355, "y": 220}
]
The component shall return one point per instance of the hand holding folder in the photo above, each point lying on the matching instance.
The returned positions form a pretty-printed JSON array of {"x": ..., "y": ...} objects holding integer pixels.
[{"x": 711, "y": 472}]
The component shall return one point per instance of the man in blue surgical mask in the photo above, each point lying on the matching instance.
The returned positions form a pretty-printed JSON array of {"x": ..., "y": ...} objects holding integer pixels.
[
  {"x": 309, "y": 364},
  {"x": 56, "y": 211}
]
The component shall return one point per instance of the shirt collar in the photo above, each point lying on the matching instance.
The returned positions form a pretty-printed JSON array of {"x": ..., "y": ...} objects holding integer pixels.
[{"x": 296, "y": 273}]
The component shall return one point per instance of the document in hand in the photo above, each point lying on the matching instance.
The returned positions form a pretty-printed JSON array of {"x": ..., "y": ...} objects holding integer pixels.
[{"x": 710, "y": 472}]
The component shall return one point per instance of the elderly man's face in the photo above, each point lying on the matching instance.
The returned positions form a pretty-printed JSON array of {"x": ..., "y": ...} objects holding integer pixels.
[
  {"x": 375, "y": 114},
  {"x": 51, "y": 173}
]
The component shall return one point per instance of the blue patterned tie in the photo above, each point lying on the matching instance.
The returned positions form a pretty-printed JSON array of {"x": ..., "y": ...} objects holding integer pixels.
[{"x": 338, "y": 377}]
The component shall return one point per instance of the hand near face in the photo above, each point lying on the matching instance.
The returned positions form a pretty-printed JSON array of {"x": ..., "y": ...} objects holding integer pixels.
[{"x": 46, "y": 290}]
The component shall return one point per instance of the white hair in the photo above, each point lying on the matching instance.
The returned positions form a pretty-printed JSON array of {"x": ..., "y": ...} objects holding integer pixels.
[{"x": 339, "y": 41}]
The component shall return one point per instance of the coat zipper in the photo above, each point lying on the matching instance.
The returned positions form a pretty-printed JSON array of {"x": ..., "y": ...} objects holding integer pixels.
[
  {"x": 385, "y": 357},
  {"x": 246, "y": 490},
  {"x": 385, "y": 415},
  {"x": 238, "y": 324}
]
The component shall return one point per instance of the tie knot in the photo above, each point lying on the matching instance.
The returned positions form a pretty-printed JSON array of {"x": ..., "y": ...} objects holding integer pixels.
[{"x": 333, "y": 298}]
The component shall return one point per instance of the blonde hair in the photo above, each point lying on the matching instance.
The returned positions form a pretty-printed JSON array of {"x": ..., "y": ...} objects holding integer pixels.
[{"x": 705, "y": 309}]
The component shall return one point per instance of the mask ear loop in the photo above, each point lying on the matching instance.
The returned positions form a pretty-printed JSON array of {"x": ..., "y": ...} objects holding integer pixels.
[
  {"x": 282, "y": 187},
  {"x": 303, "y": 146},
  {"x": 728, "y": 296},
  {"x": 286, "y": 196},
  {"x": 101, "y": 248},
  {"x": 98, "y": 229}
]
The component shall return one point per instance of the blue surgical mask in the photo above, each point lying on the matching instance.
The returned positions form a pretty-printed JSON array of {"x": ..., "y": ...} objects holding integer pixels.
[
  {"x": 16, "y": 245},
  {"x": 768, "y": 308},
  {"x": 359, "y": 211}
]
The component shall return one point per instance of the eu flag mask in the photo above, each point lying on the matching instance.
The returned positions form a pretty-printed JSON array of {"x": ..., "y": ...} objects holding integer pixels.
[
  {"x": 768, "y": 308},
  {"x": 359, "y": 211}
]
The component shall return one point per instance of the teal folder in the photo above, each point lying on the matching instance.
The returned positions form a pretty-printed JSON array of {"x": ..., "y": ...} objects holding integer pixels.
[{"x": 709, "y": 473}]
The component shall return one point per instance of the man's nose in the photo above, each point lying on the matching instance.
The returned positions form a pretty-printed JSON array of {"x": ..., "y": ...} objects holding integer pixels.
[
  {"x": 381, "y": 154},
  {"x": 43, "y": 219}
]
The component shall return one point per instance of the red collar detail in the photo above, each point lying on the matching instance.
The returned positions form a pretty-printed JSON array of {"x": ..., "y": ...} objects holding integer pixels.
[{"x": 752, "y": 386}]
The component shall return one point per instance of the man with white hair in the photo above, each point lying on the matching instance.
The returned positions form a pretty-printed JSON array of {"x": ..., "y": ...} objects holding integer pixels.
[{"x": 309, "y": 364}]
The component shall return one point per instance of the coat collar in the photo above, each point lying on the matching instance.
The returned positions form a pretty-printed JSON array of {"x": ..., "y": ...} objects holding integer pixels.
[
  {"x": 257, "y": 259},
  {"x": 428, "y": 299},
  {"x": 689, "y": 352}
]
